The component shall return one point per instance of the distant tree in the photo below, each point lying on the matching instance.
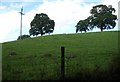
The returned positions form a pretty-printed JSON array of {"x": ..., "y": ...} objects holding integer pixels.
[
  {"x": 41, "y": 24},
  {"x": 102, "y": 17},
  {"x": 23, "y": 37},
  {"x": 82, "y": 25}
]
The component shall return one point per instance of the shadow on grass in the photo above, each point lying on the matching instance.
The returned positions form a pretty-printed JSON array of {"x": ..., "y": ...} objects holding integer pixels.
[{"x": 113, "y": 72}]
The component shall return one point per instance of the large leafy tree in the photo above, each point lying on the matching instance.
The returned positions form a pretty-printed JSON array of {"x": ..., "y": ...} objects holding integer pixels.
[
  {"x": 82, "y": 25},
  {"x": 102, "y": 17},
  {"x": 41, "y": 24}
]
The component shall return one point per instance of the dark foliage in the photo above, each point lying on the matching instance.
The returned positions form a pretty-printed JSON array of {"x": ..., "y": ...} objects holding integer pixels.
[
  {"x": 82, "y": 25},
  {"x": 23, "y": 37},
  {"x": 41, "y": 24},
  {"x": 101, "y": 17}
]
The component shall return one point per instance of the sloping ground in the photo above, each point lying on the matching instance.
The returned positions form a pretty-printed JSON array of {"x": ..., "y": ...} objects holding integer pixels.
[{"x": 87, "y": 56}]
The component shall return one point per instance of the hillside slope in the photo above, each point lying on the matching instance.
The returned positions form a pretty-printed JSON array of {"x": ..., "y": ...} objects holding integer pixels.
[{"x": 39, "y": 58}]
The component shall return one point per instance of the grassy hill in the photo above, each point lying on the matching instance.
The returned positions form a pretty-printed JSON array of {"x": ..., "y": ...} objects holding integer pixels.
[{"x": 87, "y": 56}]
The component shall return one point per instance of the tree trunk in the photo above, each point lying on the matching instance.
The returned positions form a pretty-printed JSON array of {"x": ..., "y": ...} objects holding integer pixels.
[
  {"x": 41, "y": 31},
  {"x": 101, "y": 29},
  {"x": 41, "y": 34}
]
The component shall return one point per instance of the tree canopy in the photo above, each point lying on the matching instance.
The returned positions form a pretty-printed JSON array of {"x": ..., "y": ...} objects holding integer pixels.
[
  {"x": 41, "y": 24},
  {"x": 82, "y": 25},
  {"x": 101, "y": 17}
]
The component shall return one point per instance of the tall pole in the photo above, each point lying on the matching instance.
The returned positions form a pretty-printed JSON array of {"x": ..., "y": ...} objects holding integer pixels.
[{"x": 21, "y": 12}]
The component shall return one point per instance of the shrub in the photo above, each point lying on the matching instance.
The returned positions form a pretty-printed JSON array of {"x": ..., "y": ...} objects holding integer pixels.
[{"x": 23, "y": 37}]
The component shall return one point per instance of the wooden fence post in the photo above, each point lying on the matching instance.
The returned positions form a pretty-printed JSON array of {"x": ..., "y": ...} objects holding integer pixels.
[{"x": 62, "y": 63}]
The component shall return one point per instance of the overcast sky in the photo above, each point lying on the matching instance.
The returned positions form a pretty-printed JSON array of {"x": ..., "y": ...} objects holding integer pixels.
[{"x": 65, "y": 13}]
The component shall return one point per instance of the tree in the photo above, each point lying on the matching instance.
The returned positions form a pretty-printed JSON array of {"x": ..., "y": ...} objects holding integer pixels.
[
  {"x": 23, "y": 37},
  {"x": 41, "y": 24},
  {"x": 102, "y": 17},
  {"x": 82, "y": 25},
  {"x": 49, "y": 27}
]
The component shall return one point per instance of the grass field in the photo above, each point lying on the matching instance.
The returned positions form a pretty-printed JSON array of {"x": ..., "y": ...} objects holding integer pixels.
[{"x": 87, "y": 55}]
